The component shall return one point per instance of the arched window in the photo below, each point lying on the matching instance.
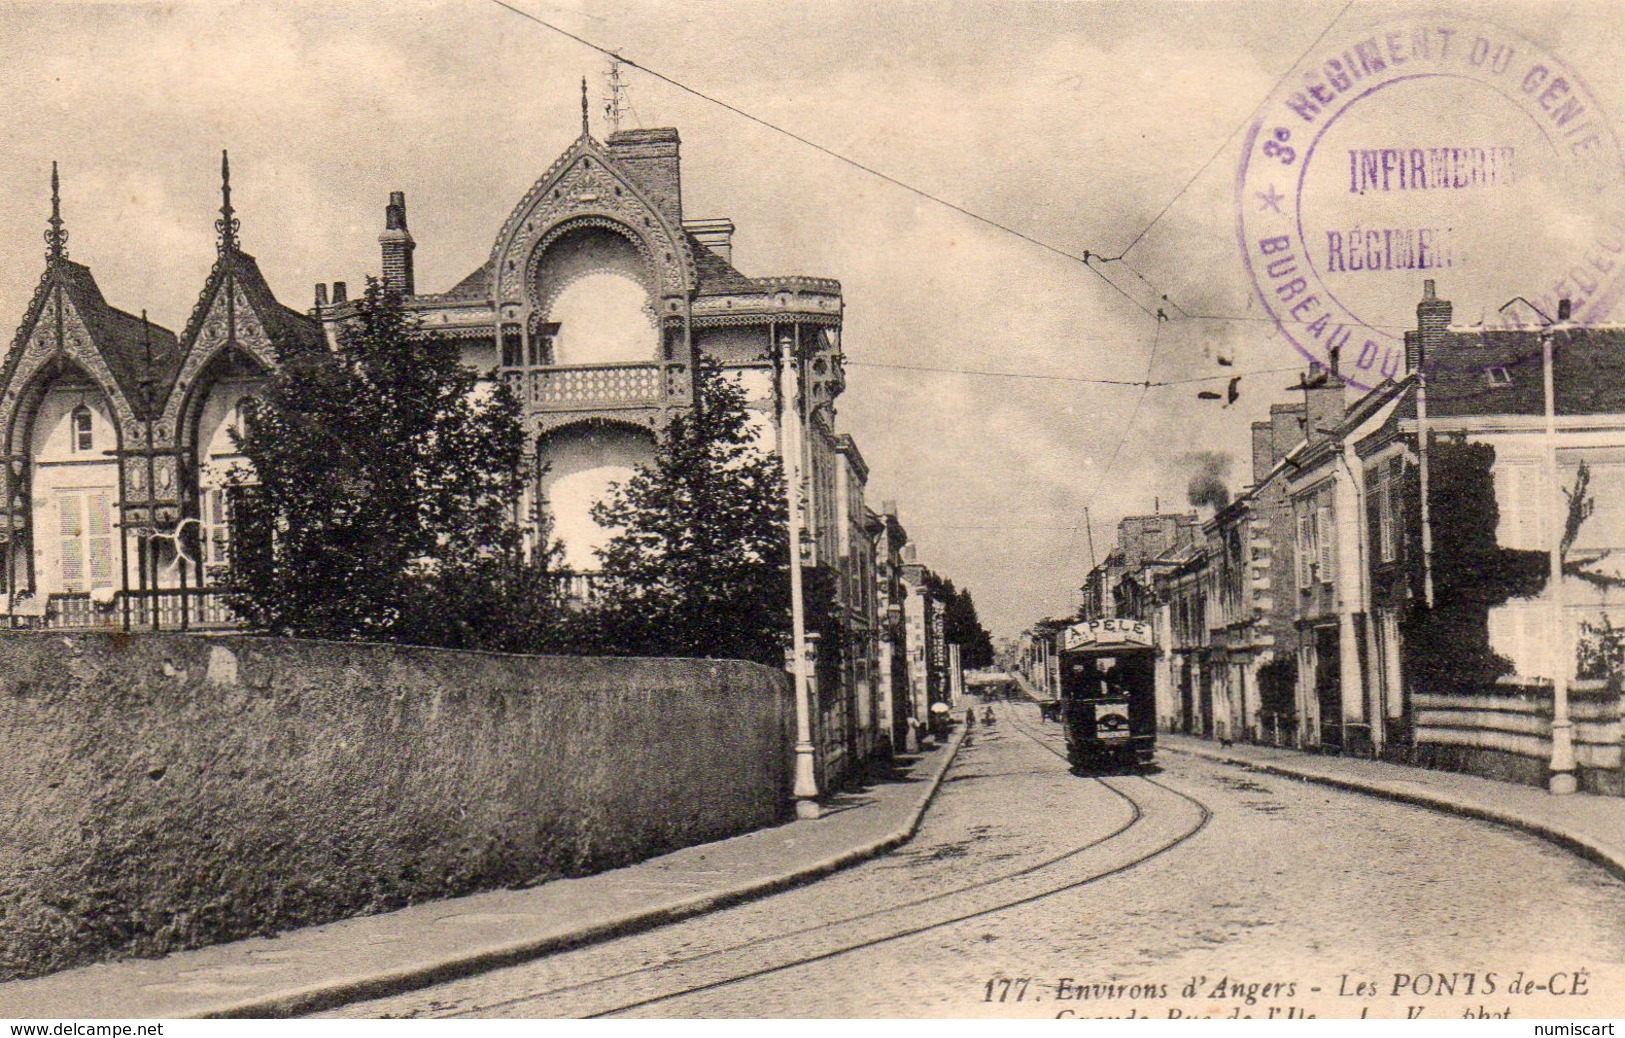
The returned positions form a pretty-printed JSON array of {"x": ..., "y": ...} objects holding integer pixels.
[{"x": 84, "y": 438}]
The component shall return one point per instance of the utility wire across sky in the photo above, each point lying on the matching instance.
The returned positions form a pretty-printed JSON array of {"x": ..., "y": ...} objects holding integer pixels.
[
  {"x": 1143, "y": 384},
  {"x": 1089, "y": 258},
  {"x": 1084, "y": 258}
]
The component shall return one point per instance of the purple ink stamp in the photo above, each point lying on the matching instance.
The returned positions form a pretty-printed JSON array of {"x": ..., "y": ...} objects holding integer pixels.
[{"x": 1439, "y": 148}]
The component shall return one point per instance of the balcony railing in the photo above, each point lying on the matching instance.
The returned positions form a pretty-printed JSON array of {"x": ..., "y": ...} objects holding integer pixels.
[
  {"x": 590, "y": 388},
  {"x": 578, "y": 589}
]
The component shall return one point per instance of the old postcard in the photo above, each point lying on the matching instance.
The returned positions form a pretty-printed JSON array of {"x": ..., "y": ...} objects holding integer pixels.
[{"x": 936, "y": 508}]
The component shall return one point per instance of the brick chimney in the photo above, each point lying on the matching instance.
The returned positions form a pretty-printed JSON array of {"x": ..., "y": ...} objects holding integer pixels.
[
  {"x": 1286, "y": 429},
  {"x": 396, "y": 244},
  {"x": 1327, "y": 404},
  {"x": 650, "y": 158},
  {"x": 1432, "y": 328},
  {"x": 1263, "y": 451}
]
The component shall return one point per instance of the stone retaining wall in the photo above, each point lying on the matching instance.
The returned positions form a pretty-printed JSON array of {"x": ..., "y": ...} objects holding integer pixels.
[{"x": 160, "y": 792}]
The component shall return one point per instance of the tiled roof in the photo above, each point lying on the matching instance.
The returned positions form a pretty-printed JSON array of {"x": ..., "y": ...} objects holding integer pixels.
[
  {"x": 1588, "y": 372},
  {"x": 120, "y": 337},
  {"x": 716, "y": 276},
  {"x": 474, "y": 288},
  {"x": 285, "y": 325}
]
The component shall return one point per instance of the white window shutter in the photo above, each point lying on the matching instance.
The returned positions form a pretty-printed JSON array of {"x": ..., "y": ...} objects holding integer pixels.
[
  {"x": 70, "y": 539},
  {"x": 100, "y": 540},
  {"x": 1328, "y": 543},
  {"x": 1303, "y": 550}
]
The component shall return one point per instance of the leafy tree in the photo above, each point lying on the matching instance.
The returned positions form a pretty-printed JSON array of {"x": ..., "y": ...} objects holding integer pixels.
[
  {"x": 961, "y": 625},
  {"x": 385, "y": 479},
  {"x": 1449, "y": 645},
  {"x": 977, "y": 642},
  {"x": 700, "y": 564}
]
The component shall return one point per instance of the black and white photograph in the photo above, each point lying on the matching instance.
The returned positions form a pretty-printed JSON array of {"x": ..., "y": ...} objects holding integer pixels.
[{"x": 911, "y": 509}]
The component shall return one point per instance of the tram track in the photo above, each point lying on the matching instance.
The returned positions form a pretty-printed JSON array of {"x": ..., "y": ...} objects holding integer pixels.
[
  {"x": 1061, "y": 753},
  {"x": 1139, "y": 834},
  {"x": 1134, "y": 816}
]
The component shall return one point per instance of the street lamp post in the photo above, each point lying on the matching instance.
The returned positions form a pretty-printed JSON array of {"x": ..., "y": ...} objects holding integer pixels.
[
  {"x": 1562, "y": 780},
  {"x": 790, "y": 437}
]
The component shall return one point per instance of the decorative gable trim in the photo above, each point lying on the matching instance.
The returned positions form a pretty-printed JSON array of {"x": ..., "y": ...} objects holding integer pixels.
[{"x": 584, "y": 183}]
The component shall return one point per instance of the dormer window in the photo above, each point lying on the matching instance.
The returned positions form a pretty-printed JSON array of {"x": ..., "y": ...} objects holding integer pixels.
[
  {"x": 83, "y": 434},
  {"x": 1498, "y": 376}
]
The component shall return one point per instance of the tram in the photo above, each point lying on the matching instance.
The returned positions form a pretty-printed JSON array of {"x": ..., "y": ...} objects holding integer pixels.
[{"x": 1108, "y": 693}]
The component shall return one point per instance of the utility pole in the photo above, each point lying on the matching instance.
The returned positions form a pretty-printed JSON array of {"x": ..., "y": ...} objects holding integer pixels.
[
  {"x": 1089, "y": 527},
  {"x": 1562, "y": 780},
  {"x": 1423, "y": 476},
  {"x": 790, "y": 438}
]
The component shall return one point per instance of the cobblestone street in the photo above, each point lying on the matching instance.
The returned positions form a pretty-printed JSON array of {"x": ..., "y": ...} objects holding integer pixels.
[{"x": 1197, "y": 890}]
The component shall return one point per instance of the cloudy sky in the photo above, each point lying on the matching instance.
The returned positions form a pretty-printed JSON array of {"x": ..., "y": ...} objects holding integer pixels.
[{"x": 1075, "y": 124}]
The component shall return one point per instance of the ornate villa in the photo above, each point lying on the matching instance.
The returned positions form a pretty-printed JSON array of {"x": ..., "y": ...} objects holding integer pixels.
[{"x": 595, "y": 301}]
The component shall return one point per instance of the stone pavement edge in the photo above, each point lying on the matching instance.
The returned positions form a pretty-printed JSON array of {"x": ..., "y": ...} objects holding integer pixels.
[
  {"x": 1588, "y": 825},
  {"x": 1591, "y": 826}
]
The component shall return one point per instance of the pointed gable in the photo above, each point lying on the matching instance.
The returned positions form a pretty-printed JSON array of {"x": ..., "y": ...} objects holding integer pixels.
[
  {"x": 124, "y": 341},
  {"x": 110, "y": 344},
  {"x": 588, "y": 185},
  {"x": 262, "y": 326},
  {"x": 236, "y": 310}
]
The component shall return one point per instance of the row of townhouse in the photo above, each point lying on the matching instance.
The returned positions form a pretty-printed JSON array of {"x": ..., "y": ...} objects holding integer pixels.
[
  {"x": 919, "y": 666},
  {"x": 1383, "y": 586},
  {"x": 597, "y": 301}
]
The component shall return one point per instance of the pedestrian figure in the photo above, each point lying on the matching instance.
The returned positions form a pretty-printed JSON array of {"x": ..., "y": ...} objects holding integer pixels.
[
  {"x": 970, "y": 717},
  {"x": 987, "y": 715}
]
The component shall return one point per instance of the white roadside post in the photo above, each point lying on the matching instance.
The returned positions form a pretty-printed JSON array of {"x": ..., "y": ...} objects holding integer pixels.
[
  {"x": 1562, "y": 780},
  {"x": 790, "y": 436}
]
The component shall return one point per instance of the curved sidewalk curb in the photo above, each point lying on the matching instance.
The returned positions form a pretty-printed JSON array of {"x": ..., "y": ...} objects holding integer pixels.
[
  {"x": 1573, "y": 842},
  {"x": 331, "y": 995}
]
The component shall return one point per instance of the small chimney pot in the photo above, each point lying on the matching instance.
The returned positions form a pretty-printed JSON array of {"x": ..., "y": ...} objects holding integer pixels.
[
  {"x": 341, "y": 292},
  {"x": 396, "y": 245}
]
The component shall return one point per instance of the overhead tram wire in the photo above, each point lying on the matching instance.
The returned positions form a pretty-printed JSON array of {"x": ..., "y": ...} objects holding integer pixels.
[
  {"x": 854, "y": 163},
  {"x": 1230, "y": 139},
  {"x": 1142, "y": 384},
  {"x": 1088, "y": 258}
]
